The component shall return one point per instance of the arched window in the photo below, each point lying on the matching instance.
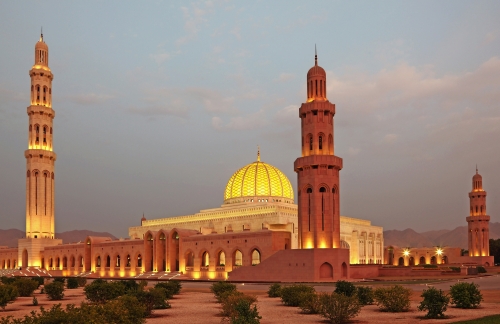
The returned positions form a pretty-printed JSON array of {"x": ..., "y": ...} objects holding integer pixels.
[
  {"x": 189, "y": 258},
  {"x": 139, "y": 261},
  {"x": 128, "y": 261},
  {"x": 98, "y": 262},
  {"x": 310, "y": 142},
  {"x": 422, "y": 260},
  {"x": 117, "y": 261},
  {"x": 222, "y": 259},
  {"x": 72, "y": 261},
  {"x": 205, "y": 259},
  {"x": 65, "y": 262},
  {"x": 58, "y": 262},
  {"x": 309, "y": 191},
  {"x": 476, "y": 209},
  {"x": 108, "y": 261},
  {"x": 401, "y": 261},
  {"x": 238, "y": 258},
  {"x": 320, "y": 143},
  {"x": 255, "y": 257}
]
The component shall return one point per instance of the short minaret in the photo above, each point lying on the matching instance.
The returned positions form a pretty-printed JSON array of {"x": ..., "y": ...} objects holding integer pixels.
[
  {"x": 478, "y": 220},
  {"x": 318, "y": 168},
  {"x": 40, "y": 160}
]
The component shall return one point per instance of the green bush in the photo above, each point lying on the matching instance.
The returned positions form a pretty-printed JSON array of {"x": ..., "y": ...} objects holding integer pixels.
[
  {"x": 274, "y": 290},
  {"x": 8, "y": 280},
  {"x": 480, "y": 269},
  {"x": 310, "y": 303},
  {"x": 124, "y": 310},
  {"x": 345, "y": 288},
  {"x": 435, "y": 302},
  {"x": 130, "y": 285},
  {"x": 8, "y": 293},
  {"x": 81, "y": 281},
  {"x": 172, "y": 287},
  {"x": 25, "y": 286},
  {"x": 365, "y": 295},
  {"x": 35, "y": 301},
  {"x": 220, "y": 287},
  {"x": 465, "y": 295},
  {"x": 60, "y": 279},
  {"x": 245, "y": 313},
  {"x": 72, "y": 283},
  {"x": 293, "y": 295},
  {"x": 39, "y": 280},
  {"x": 101, "y": 291},
  {"x": 339, "y": 308},
  {"x": 151, "y": 299},
  {"x": 456, "y": 269},
  {"x": 230, "y": 299},
  {"x": 55, "y": 290},
  {"x": 394, "y": 299},
  {"x": 429, "y": 266}
]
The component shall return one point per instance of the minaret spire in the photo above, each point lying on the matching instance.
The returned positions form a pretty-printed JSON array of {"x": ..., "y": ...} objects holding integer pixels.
[
  {"x": 315, "y": 56},
  {"x": 41, "y": 34},
  {"x": 476, "y": 168},
  {"x": 258, "y": 153}
]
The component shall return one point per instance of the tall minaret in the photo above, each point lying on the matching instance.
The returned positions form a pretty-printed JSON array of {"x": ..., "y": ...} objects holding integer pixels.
[
  {"x": 40, "y": 160},
  {"x": 318, "y": 168},
  {"x": 478, "y": 220}
]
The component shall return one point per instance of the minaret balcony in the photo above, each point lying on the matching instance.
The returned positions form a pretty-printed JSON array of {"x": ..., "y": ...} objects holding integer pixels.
[{"x": 331, "y": 161}]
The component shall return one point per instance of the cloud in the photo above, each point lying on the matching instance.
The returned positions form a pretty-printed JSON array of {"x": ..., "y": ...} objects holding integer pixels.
[
  {"x": 89, "y": 98},
  {"x": 288, "y": 115},
  {"x": 194, "y": 17},
  {"x": 247, "y": 122},
  {"x": 490, "y": 37},
  {"x": 160, "y": 57},
  {"x": 236, "y": 31},
  {"x": 285, "y": 77}
]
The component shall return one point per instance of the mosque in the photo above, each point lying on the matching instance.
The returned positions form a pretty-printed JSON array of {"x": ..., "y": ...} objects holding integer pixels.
[{"x": 257, "y": 234}]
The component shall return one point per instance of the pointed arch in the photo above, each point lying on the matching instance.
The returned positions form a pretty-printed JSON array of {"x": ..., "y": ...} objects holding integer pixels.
[{"x": 326, "y": 271}]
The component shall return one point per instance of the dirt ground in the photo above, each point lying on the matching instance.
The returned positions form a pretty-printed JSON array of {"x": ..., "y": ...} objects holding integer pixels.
[{"x": 199, "y": 306}]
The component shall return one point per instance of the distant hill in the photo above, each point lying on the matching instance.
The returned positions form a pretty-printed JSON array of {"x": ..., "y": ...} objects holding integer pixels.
[
  {"x": 9, "y": 237},
  {"x": 456, "y": 237}
]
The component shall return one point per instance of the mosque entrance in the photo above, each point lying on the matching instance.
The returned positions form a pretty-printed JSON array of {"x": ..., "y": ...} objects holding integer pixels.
[
  {"x": 174, "y": 251},
  {"x": 25, "y": 258}
]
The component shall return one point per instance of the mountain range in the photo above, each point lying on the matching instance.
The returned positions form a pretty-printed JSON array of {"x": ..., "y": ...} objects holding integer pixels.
[
  {"x": 9, "y": 237},
  {"x": 402, "y": 238},
  {"x": 453, "y": 238}
]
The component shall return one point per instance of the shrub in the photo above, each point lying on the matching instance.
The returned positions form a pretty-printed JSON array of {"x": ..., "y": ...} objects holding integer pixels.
[
  {"x": 35, "y": 301},
  {"x": 130, "y": 285},
  {"x": 365, "y": 295},
  {"x": 435, "y": 302},
  {"x": 345, "y": 288},
  {"x": 8, "y": 280},
  {"x": 456, "y": 269},
  {"x": 339, "y": 308},
  {"x": 220, "y": 287},
  {"x": 72, "y": 283},
  {"x": 60, "y": 279},
  {"x": 172, "y": 287},
  {"x": 394, "y": 299},
  {"x": 293, "y": 295},
  {"x": 310, "y": 303},
  {"x": 274, "y": 290},
  {"x": 151, "y": 299},
  {"x": 465, "y": 295},
  {"x": 429, "y": 266},
  {"x": 245, "y": 313},
  {"x": 55, "y": 290},
  {"x": 101, "y": 291},
  {"x": 481, "y": 269},
  {"x": 81, "y": 281},
  {"x": 8, "y": 294},
  {"x": 39, "y": 280},
  {"x": 230, "y": 299},
  {"x": 25, "y": 286}
]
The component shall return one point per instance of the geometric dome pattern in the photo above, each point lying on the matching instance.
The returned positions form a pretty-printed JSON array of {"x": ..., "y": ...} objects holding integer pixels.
[{"x": 258, "y": 179}]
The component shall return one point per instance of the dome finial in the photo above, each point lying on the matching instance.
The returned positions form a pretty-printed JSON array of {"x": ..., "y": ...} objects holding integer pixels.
[
  {"x": 315, "y": 56},
  {"x": 41, "y": 34},
  {"x": 258, "y": 153},
  {"x": 476, "y": 168}
]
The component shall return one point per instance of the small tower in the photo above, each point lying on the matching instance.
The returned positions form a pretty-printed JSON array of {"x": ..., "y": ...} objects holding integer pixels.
[
  {"x": 478, "y": 221},
  {"x": 318, "y": 168},
  {"x": 40, "y": 160}
]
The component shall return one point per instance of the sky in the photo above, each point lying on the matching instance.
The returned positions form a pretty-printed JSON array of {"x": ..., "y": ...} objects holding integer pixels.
[{"x": 158, "y": 103}]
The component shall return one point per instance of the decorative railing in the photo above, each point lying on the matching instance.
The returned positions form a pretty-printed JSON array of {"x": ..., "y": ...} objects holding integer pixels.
[
  {"x": 189, "y": 268},
  {"x": 220, "y": 268},
  {"x": 203, "y": 268}
]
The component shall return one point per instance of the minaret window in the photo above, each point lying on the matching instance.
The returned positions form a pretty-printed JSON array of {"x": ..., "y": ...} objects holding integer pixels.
[
  {"x": 316, "y": 87},
  {"x": 309, "y": 191},
  {"x": 310, "y": 143},
  {"x": 320, "y": 142}
]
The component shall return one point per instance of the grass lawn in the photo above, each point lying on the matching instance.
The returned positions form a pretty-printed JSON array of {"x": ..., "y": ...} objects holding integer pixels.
[{"x": 492, "y": 319}]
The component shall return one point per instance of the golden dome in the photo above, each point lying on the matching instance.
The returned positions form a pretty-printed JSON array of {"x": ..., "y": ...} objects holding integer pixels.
[{"x": 258, "y": 179}]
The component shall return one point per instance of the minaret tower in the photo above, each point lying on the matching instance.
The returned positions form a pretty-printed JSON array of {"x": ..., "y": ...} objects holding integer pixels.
[
  {"x": 40, "y": 160},
  {"x": 478, "y": 220},
  {"x": 318, "y": 168}
]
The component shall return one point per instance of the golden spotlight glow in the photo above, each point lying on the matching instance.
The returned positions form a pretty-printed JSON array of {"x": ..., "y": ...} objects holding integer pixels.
[
  {"x": 439, "y": 251},
  {"x": 258, "y": 179},
  {"x": 406, "y": 252}
]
